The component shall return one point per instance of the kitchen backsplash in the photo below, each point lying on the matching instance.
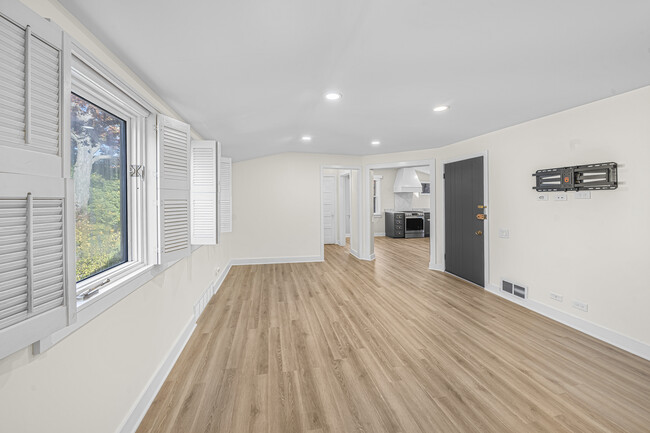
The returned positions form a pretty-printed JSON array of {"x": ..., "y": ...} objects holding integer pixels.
[{"x": 404, "y": 200}]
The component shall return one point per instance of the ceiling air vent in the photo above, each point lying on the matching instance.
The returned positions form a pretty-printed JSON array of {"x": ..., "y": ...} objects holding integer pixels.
[{"x": 514, "y": 289}]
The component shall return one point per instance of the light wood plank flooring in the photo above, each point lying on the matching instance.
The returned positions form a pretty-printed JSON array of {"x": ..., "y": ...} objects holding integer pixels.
[{"x": 389, "y": 346}]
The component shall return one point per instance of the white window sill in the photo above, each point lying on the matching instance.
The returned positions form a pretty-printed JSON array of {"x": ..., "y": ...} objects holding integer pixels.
[{"x": 107, "y": 296}]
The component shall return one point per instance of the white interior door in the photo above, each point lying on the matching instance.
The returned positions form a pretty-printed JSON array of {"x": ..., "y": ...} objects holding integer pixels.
[
  {"x": 347, "y": 205},
  {"x": 329, "y": 209}
]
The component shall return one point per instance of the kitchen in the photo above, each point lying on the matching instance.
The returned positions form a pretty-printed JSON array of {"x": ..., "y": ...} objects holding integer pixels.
[{"x": 401, "y": 202}]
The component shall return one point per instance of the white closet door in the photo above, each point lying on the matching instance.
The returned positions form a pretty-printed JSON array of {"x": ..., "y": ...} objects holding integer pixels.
[{"x": 329, "y": 209}]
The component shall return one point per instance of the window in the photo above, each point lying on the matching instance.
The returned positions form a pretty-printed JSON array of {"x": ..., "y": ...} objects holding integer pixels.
[
  {"x": 376, "y": 195},
  {"x": 108, "y": 151},
  {"x": 98, "y": 168}
]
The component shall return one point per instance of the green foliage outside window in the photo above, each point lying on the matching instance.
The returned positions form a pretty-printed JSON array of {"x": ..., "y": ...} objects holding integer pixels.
[
  {"x": 98, "y": 170},
  {"x": 99, "y": 230}
]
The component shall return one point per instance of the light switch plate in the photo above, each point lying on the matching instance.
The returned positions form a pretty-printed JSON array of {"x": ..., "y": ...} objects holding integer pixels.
[
  {"x": 542, "y": 197},
  {"x": 504, "y": 233},
  {"x": 560, "y": 196},
  {"x": 584, "y": 195}
]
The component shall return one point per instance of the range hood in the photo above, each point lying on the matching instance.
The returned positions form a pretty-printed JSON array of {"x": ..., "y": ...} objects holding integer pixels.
[{"x": 407, "y": 181}]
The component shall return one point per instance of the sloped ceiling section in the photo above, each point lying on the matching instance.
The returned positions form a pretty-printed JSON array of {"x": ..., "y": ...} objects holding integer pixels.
[{"x": 252, "y": 73}]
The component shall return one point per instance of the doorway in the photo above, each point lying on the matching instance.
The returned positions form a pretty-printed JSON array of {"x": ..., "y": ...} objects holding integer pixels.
[
  {"x": 465, "y": 219},
  {"x": 401, "y": 188},
  {"x": 341, "y": 208}
]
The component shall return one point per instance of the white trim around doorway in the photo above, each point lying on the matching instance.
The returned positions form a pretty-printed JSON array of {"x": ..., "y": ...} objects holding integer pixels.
[{"x": 368, "y": 234}]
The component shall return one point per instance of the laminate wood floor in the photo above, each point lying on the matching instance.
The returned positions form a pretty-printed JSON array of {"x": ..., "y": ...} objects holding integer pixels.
[{"x": 389, "y": 346}]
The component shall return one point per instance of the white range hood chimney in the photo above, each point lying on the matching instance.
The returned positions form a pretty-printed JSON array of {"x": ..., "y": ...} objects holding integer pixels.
[{"x": 407, "y": 181}]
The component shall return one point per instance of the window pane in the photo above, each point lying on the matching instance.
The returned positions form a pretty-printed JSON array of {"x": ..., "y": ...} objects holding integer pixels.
[{"x": 98, "y": 141}]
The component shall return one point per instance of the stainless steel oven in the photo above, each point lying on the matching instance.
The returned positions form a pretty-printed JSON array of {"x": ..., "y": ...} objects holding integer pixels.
[{"x": 413, "y": 224}]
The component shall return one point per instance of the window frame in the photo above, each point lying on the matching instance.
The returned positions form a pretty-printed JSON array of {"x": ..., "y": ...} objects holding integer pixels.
[
  {"x": 92, "y": 89},
  {"x": 124, "y": 187},
  {"x": 376, "y": 196},
  {"x": 93, "y": 81}
]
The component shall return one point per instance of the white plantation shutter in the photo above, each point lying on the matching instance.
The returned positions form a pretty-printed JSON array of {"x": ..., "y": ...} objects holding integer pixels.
[
  {"x": 173, "y": 189},
  {"x": 225, "y": 195},
  {"x": 37, "y": 246},
  {"x": 12, "y": 83},
  {"x": 36, "y": 273},
  {"x": 44, "y": 108},
  {"x": 31, "y": 77},
  {"x": 204, "y": 157}
]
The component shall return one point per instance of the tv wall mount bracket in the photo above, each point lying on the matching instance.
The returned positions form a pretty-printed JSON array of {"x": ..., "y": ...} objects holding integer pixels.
[{"x": 590, "y": 177}]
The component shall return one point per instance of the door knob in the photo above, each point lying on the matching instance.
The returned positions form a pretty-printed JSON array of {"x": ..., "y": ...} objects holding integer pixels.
[{"x": 478, "y": 232}]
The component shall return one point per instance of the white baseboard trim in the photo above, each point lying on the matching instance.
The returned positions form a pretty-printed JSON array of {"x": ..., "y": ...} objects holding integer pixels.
[
  {"x": 130, "y": 425},
  {"x": 437, "y": 267},
  {"x": 607, "y": 335},
  {"x": 132, "y": 422},
  {"x": 275, "y": 260},
  {"x": 356, "y": 254},
  {"x": 380, "y": 234}
]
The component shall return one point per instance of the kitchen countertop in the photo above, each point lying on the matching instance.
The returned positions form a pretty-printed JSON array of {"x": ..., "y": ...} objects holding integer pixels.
[{"x": 410, "y": 210}]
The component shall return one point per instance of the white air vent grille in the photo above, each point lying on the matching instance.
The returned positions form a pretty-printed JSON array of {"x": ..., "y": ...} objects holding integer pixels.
[{"x": 514, "y": 289}]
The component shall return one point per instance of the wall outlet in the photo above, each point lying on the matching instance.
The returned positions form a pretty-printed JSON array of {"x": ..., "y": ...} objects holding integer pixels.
[
  {"x": 542, "y": 196},
  {"x": 556, "y": 297},
  {"x": 560, "y": 196},
  {"x": 584, "y": 195},
  {"x": 504, "y": 233},
  {"x": 581, "y": 306}
]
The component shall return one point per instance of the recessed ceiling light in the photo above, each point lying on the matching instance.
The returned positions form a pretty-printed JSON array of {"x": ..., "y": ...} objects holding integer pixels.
[
  {"x": 375, "y": 142},
  {"x": 333, "y": 96},
  {"x": 441, "y": 108},
  {"x": 306, "y": 138}
]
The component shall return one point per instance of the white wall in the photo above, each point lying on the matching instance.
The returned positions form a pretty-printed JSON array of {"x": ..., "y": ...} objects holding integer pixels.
[
  {"x": 90, "y": 381},
  {"x": 595, "y": 251},
  {"x": 276, "y": 209}
]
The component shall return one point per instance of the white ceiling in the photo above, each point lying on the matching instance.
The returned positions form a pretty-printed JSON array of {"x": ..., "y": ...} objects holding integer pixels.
[{"x": 252, "y": 73}]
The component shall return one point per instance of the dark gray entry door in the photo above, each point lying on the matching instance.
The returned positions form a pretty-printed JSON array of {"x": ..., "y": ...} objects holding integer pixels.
[{"x": 464, "y": 231}]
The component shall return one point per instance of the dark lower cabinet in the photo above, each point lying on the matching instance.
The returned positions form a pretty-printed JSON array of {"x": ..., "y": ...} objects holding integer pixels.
[
  {"x": 394, "y": 222},
  {"x": 427, "y": 224}
]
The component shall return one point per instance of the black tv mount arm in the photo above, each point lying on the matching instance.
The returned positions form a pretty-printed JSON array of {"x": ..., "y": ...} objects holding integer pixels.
[{"x": 601, "y": 176}]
